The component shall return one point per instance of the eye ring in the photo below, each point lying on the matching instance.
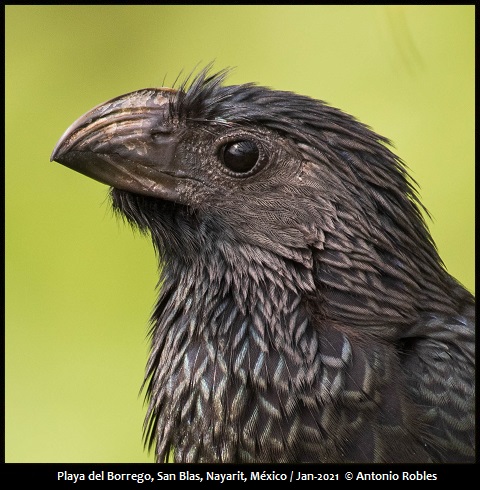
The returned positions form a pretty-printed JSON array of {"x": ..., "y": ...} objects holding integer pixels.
[{"x": 241, "y": 156}]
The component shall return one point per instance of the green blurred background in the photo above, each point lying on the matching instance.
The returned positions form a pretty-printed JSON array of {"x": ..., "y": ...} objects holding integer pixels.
[{"x": 80, "y": 285}]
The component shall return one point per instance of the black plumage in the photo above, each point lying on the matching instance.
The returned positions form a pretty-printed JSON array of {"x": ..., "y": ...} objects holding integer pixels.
[{"x": 304, "y": 312}]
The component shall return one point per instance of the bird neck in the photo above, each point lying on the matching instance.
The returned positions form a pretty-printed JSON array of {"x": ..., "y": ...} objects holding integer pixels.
[
  {"x": 231, "y": 331},
  {"x": 237, "y": 340},
  {"x": 233, "y": 293}
]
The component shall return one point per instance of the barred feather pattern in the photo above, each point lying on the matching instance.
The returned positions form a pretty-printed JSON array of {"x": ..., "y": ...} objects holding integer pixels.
[{"x": 237, "y": 369}]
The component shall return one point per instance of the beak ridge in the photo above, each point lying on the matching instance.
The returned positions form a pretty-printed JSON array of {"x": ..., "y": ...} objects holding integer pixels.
[{"x": 113, "y": 143}]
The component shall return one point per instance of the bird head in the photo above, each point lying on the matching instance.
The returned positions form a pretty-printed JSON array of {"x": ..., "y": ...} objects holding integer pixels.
[{"x": 206, "y": 166}]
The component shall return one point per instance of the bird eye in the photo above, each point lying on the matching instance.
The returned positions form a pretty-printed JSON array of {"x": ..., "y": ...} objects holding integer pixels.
[{"x": 240, "y": 156}]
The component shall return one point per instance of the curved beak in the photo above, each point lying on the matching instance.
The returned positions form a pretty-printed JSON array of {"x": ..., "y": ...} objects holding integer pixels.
[{"x": 127, "y": 143}]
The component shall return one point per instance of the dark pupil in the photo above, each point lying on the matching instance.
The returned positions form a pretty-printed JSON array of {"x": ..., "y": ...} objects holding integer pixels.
[{"x": 240, "y": 156}]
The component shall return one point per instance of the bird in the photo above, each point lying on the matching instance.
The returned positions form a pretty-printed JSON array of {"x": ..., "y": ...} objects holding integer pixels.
[{"x": 304, "y": 314}]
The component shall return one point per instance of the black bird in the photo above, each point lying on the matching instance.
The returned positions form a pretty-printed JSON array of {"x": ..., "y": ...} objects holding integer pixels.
[{"x": 304, "y": 312}]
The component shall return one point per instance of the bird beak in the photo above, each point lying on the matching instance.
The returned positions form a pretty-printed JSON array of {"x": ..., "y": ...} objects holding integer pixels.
[{"x": 126, "y": 144}]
